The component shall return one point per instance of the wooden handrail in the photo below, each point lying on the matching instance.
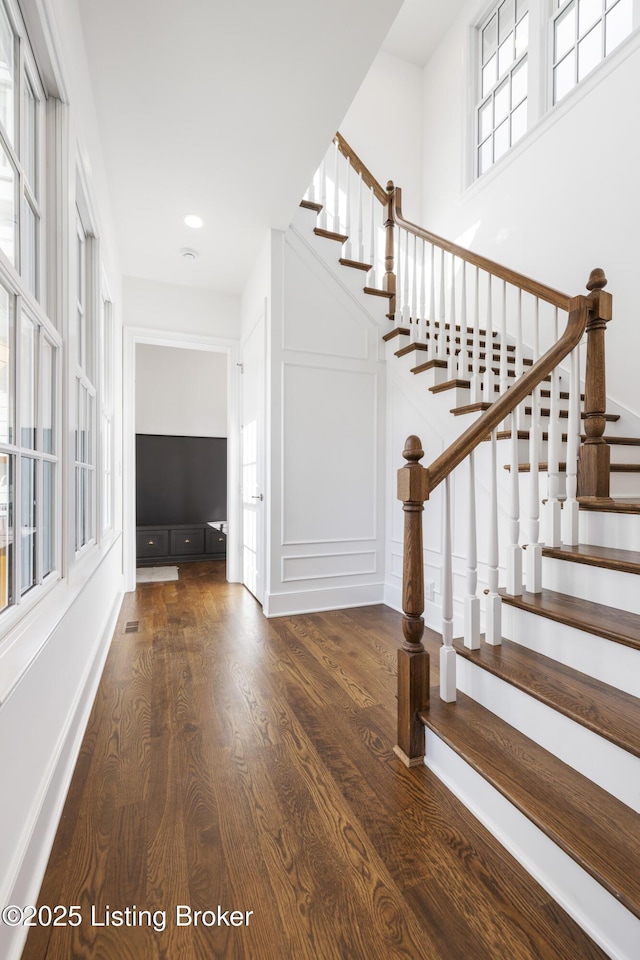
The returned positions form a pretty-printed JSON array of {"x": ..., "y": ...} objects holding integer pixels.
[
  {"x": 359, "y": 167},
  {"x": 561, "y": 300},
  {"x": 442, "y": 466}
]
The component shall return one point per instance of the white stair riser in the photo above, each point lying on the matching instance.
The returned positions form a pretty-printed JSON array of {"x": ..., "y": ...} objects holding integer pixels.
[
  {"x": 612, "y": 663},
  {"x": 605, "y": 920},
  {"x": 610, "y": 587},
  {"x": 606, "y": 764},
  {"x": 619, "y": 530}
]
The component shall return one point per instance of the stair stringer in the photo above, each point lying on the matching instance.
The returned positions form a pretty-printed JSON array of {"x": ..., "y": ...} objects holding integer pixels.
[{"x": 602, "y": 917}]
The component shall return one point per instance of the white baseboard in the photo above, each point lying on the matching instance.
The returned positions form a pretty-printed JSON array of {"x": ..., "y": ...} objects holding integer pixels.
[
  {"x": 28, "y": 879},
  {"x": 326, "y": 598}
]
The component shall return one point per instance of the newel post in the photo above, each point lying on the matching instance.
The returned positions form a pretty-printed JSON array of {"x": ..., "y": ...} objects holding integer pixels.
[
  {"x": 594, "y": 460},
  {"x": 413, "y": 659},
  {"x": 389, "y": 254}
]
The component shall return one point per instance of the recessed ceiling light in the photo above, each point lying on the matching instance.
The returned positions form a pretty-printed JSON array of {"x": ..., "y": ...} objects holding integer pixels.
[
  {"x": 194, "y": 221},
  {"x": 188, "y": 253}
]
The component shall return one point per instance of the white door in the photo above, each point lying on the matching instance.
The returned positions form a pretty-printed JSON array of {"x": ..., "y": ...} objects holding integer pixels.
[{"x": 253, "y": 360}]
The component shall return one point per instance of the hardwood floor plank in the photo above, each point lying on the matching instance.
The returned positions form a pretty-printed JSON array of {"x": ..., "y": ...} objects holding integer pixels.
[{"x": 237, "y": 761}]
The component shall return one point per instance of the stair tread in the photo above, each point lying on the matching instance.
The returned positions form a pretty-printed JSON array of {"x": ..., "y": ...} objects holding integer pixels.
[
  {"x": 620, "y": 626},
  {"x": 392, "y": 334},
  {"x": 598, "y": 831},
  {"x": 356, "y": 264},
  {"x": 330, "y": 234},
  {"x": 311, "y": 205},
  {"x": 630, "y": 505},
  {"x": 376, "y": 292},
  {"x": 612, "y": 441},
  {"x": 612, "y": 558},
  {"x": 607, "y": 711}
]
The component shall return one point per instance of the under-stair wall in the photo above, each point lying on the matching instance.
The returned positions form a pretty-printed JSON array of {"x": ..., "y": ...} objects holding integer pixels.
[{"x": 327, "y": 393}]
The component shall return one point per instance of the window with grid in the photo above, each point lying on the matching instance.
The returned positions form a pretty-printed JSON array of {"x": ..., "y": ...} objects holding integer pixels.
[
  {"x": 106, "y": 413},
  {"x": 501, "y": 114},
  {"x": 584, "y": 33},
  {"x": 85, "y": 399},
  {"x": 29, "y": 344}
]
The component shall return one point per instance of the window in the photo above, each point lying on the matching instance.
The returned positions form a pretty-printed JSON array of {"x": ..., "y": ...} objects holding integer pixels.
[
  {"x": 514, "y": 61},
  {"x": 29, "y": 344},
  {"x": 584, "y": 33},
  {"x": 501, "y": 115},
  {"x": 106, "y": 413},
  {"x": 85, "y": 453}
]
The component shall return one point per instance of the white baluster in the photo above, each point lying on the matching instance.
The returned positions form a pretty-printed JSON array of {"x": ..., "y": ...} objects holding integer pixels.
[
  {"x": 360, "y": 253},
  {"x": 514, "y": 550},
  {"x": 423, "y": 294},
  {"x": 553, "y": 512},
  {"x": 414, "y": 289},
  {"x": 406, "y": 289},
  {"x": 489, "y": 376},
  {"x": 432, "y": 352},
  {"x": 441, "y": 349},
  {"x": 447, "y": 653},
  {"x": 472, "y": 601},
  {"x": 323, "y": 218},
  {"x": 347, "y": 247},
  {"x": 519, "y": 358},
  {"x": 373, "y": 250},
  {"x": 533, "y": 553},
  {"x": 476, "y": 382},
  {"x": 570, "y": 507},
  {"x": 504, "y": 353},
  {"x": 336, "y": 189},
  {"x": 399, "y": 278},
  {"x": 493, "y": 608},
  {"x": 452, "y": 361}
]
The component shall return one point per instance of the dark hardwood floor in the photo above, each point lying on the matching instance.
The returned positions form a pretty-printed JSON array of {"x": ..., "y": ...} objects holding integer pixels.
[{"x": 234, "y": 763}]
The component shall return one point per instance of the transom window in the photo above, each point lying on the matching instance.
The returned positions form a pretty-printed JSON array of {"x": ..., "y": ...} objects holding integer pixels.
[
  {"x": 501, "y": 115},
  {"x": 584, "y": 33}
]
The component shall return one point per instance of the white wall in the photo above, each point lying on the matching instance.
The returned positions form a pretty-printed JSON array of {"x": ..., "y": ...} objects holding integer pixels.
[
  {"x": 384, "y": 127},
  {"x": 51, "y": 655},
  {"x": 166, "y": 306},
  {"x": 180, "y": 392},
  {"x": 327, "y": 435},
  {"x": 563, "y": 201}
]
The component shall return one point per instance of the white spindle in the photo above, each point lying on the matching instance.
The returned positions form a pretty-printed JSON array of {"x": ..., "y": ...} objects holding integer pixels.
[
  {"x": 414, "y": 287},
  {"x": 493, "y": 608},
  {"x": 472, "y": 601},
  {"x": 360, "y": 251},
  {"x": 423, "y": 287},
  {"x": 489, "y": 377},
  {"x": 447, "y": 653},
  {"x": 570, "y": 508},
  {"x": 533, "y": 553},
  {"x": 347, "y": 247},
  {"x": 323, "y": 217},
  {"x": 440, "y": 351},
  {"x": 399, "y": 278},
  {"x": 406, "y": 290},
  {"x": 336, "y": 189},
  {"x": 514, "y": 550},
  {"x": 504, "y": 353},
  {"x": 553, "y": 509},
  {"x": 372, "y": 258},
  {"x": 519, "y": 358},
  {"x": 452, "y": 365},
  {"x": 476, "y": 382}
]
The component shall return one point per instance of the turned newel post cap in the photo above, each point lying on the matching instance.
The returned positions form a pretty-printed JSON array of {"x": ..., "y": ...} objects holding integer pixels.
[
  {"x": 413, "y": 478},
  {"x": 413, "y": 451},
  {"x": 390, "y": 186},
  {"x": 597, "y": 279}
]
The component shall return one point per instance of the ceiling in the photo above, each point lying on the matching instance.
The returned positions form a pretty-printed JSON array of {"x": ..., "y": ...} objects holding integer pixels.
[{"x": 224, "y": 110}]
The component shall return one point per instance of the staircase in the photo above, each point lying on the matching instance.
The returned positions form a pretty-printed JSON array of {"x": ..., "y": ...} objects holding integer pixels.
[{"x": 536, "y": 724}]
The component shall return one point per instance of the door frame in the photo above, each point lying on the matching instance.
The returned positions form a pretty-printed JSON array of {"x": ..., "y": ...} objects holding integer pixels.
[
  {"x": 132, "y": 336},
  {"x": 261, "y": 480}
]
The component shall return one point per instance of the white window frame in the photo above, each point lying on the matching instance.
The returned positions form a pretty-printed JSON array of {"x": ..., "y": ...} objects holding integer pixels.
[
  {"x": 83, "y": 344},
  {"x": 39, "y": 446},
  {"x": 541, "y": 62}
]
